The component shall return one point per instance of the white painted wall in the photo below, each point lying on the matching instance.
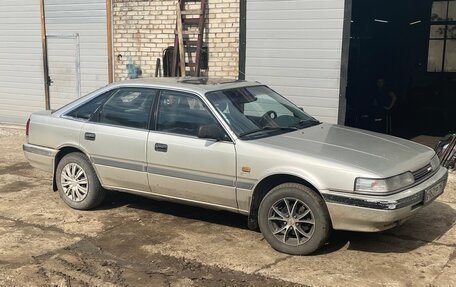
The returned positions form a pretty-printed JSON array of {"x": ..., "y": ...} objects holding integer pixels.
[
  {"x": 295, "y": 47},
  {"x": 87, "y": 18},
  {"x": 21, "y": 68}
]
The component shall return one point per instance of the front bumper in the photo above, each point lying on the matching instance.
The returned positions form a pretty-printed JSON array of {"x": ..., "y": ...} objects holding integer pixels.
[
  {"x": 366, "y": 213},
  {"x": 40, "y": 157}
]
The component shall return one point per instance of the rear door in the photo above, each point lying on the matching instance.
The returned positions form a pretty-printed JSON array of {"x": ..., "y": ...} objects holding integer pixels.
[
  {"x": 180, "y": 164},
  {"x": 116, "y": 137}
]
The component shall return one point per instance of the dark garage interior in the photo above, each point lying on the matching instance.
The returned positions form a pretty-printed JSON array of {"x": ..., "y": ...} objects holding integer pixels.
[{"x": 411, "y": 45}]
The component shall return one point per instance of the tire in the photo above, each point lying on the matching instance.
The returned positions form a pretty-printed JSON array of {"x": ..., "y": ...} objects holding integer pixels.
[
  {"x": 84, "y": 193},
  {"x": 311, "y": 221}
]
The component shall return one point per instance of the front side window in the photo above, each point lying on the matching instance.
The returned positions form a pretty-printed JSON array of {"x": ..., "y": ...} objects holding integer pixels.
[
  {"x": 127, "y": 107},
  {"x": 442, "y": 37},
  {"x": 182, "y": 113},
  {"x": 258, "y": 111}
]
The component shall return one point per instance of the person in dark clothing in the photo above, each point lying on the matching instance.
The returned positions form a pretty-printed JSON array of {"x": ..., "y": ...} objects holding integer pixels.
[{"x": 382, "y": 103}]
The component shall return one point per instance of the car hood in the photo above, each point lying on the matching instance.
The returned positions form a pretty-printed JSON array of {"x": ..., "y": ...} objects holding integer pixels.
[{"x": 380, "y": 154}]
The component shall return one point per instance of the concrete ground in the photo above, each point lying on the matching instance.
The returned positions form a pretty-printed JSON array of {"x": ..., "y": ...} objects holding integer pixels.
[{"x": 134, "y": 241}]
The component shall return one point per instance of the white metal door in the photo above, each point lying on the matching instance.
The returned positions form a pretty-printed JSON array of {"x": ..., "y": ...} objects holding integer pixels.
[
  {"x": 64, "y": 68},
  {"x": 295, "y": 47},
  {"x": 21, "y": 63},
  {"x": 77, "y": 48}
]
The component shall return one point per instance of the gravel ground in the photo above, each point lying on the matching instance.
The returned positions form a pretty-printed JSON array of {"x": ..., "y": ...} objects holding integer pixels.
[{"x": 134, "y": 241}]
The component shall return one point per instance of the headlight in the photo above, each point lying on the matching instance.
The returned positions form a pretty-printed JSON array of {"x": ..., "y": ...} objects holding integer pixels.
[
  {"x": 435, "y": 162},
  {"x": 384, "y": 185}
]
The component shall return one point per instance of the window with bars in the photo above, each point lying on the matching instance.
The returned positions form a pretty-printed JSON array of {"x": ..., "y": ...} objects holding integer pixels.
[{"x": 442, "y": 37}]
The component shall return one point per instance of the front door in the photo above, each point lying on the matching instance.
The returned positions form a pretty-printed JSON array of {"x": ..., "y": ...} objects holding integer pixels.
[
  {"x": 116, "y": 137},
  {"x": 181, "y": 165}
]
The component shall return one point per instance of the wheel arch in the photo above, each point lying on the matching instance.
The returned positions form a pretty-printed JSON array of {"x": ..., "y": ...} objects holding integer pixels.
[{"x": 266, "y": 185}]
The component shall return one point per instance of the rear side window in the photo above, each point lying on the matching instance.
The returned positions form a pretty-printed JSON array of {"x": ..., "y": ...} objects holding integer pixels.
[
  {"x": 128, "y": 107},
  {"x": 85, "y": 111}
]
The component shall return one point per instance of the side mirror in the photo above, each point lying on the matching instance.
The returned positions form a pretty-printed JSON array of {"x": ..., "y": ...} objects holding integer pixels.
[
  {"x": 301, "y": 108},
  {"x": 211, "y": 132}
]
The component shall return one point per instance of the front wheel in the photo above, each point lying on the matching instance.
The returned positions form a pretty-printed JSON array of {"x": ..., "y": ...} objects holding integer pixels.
[
  {"x": 294, "y": 219},
  {"x": 78, "y": 183}
]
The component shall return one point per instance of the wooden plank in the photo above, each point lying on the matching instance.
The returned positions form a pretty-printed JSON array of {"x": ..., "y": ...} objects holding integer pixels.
[
  {"x": 199, "y": 45},
  {"x": 47, "y": 104},
  {"x": 191, "y": 12},
  {"x": 181, "y": 41},
  {"x": 190, "y": 42},
  {"x": 191, "y": 21},
  {"x": 187, "y": 32},
  {"x": 109, "y": 34},
  {"x": 175, "y": 57},
  {"x": 175, "y": 61}
]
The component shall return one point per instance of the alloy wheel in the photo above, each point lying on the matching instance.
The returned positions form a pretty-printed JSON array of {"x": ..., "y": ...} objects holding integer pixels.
[
  {"x": 74, "y": 182},
  {"x": 291, "y": 221}
]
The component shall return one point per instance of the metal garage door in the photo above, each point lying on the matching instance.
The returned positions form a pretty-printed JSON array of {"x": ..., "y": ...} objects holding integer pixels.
[
  {"x": 21, "y": 67},
  {"x": 77, "y": 48},
  {"x": 295, "y": 47}
]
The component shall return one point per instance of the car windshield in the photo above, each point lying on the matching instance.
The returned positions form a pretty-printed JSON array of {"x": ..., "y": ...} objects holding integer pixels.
[{"x": 258, "y": 111}]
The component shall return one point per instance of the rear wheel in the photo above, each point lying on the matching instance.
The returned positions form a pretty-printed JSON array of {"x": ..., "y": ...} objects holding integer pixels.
[
  {"x": 294, "y": 219},
  {"x": 77, "y": 182}
]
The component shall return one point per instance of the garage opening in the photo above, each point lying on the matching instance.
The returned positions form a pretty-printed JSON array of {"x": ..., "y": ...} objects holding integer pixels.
[{"x": 402, "y": 52}]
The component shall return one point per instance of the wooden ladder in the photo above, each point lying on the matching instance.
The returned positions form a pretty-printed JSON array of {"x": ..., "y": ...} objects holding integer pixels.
[{"x": 188, "y": 39}]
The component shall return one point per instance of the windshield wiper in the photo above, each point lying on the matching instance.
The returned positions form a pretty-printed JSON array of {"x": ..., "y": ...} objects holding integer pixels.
[
  {"x": 267, "y": 128},
  {"x": 306, "y": 123}
]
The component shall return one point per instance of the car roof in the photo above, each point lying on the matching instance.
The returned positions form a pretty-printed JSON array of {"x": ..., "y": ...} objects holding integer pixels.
[{"x": 193, "y": 84}]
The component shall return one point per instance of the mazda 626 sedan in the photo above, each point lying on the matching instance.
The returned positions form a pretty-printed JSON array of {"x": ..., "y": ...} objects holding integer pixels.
[{"x": 236, "y": 146}]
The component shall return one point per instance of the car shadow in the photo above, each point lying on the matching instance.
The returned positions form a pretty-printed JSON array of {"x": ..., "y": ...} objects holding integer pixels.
[
  {"x": 428, "y": 225},
  {"x": 119, "y": 199}
]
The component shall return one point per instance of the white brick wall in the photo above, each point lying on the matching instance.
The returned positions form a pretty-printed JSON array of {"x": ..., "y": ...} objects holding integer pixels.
[{"x": 143, "y": 29}]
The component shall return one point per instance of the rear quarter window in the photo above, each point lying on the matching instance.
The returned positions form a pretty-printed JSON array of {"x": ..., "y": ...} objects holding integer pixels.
[{"x": 85, "y": 111}]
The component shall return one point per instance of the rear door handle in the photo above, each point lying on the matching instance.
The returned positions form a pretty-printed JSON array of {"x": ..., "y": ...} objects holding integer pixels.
[
  {"x": 89, "y": 136},
  {"x": 161, "y": 147}
]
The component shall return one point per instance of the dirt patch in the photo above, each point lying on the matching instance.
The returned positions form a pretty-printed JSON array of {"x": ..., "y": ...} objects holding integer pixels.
[
  {"x": 17, "y": 168},
  {"x": 86, "y": 263},
  {"x": 8, "y": 132},
  {"x": 15, "y": 186}
]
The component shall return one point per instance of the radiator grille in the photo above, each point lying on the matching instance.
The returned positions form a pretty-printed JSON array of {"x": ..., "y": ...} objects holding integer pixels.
[{"x": 422, "y": 172}]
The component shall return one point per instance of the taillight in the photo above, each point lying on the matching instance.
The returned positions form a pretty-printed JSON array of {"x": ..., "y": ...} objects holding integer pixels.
[{"x": 27, "y": 127}]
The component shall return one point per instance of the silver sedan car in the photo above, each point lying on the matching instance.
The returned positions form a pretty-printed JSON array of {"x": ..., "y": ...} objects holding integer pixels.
[{"x": 236, "y": 146}]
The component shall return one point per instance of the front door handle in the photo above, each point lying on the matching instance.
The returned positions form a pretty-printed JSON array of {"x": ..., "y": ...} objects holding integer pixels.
[
  {"x": 161, "y": 147},
  {"x": 89, "y": 136}
]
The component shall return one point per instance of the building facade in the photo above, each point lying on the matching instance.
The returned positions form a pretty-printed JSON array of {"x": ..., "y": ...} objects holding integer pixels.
[
  {"x": 74, "y": 47},
  {"x": 51, "y": 52},
  {"x": 21, "y": 72},
  {"x": 142, "y": 30},
  {"x": 296, "y": 48}
]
